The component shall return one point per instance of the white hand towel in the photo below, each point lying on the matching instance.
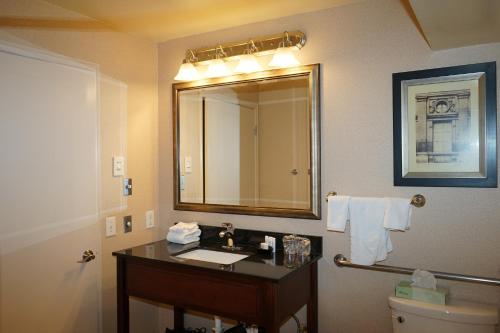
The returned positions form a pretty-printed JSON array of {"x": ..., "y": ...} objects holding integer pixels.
[
  {"x": 338, "y": 212},
  {"x": 397, "y": 214},
  {"x": 175, "y": 238},
  {"x": 187, "y": 233},
  {"x": 183, "y": 227},
  {"x": 370, "y": 241}
]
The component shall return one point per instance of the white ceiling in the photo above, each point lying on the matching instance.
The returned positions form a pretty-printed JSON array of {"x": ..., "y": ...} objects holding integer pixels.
[
  {"x": 160, "y": 20},
  {"x": 443, "y": 23},
  {"x": 457, "y": 23}
]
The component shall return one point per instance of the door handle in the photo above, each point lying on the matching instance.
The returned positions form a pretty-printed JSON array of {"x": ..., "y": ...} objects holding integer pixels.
[
  {"x": 294, "y": 172},
  {"x": 88, "y": 255}
]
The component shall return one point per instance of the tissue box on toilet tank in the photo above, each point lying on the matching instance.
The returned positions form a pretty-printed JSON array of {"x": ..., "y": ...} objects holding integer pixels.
[{"x": 404, "y": 289}]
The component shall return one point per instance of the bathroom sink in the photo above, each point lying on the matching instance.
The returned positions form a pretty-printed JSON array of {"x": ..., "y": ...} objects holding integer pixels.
[{"x": 217, "y": 257}]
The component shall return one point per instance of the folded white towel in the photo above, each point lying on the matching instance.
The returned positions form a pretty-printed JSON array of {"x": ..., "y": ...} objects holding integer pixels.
[
  {"x": 187, "y": 233},
  {"x": 179, "y": 239},
  {"x": 183, "y": 227},
  {"x": 397, "y": 214},
  {"x": 370, "y": 241},
  {"x": 338, "y": 212}
]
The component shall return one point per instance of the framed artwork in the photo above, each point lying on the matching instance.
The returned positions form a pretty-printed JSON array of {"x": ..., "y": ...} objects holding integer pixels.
[{"x": 445, "y": 126}]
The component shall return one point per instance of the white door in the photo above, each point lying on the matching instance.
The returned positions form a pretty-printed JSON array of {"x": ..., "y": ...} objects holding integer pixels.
[{"x": 49, "y": 193}]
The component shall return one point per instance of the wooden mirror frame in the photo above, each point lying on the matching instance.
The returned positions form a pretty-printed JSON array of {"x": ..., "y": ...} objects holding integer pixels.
[{"x": 312, "y": 71}]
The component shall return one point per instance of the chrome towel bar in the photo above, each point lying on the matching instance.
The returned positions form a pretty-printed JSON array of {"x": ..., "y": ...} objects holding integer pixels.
[
  {"x": 418, "y": 200},
  {"x": 342, "y": 261}
]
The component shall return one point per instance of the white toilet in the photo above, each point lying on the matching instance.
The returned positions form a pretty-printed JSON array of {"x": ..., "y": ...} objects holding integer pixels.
[{"x": 409, "y": 316}]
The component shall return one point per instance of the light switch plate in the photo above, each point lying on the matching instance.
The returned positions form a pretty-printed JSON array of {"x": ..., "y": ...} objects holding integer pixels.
[
  {"x": 110, "y": 226},
  {"x": 118, "y": 166},
  {"x": 127, "y": 223},
  {"x": 150, "y": 219},
  {"x": 188, "y": 164}
]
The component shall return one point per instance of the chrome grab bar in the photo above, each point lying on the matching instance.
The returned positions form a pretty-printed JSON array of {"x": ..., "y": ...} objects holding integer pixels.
[{"x": 341, "y": 261}]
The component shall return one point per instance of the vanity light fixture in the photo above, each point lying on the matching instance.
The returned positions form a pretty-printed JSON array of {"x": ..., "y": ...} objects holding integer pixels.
[
  {"x": 248, "y": 62},
  {"x": 187, "y": 71},
  {"x": 218, "y": 67},
  {"x": 284, "y": 56},
  {"x": 281, "y": 46}
]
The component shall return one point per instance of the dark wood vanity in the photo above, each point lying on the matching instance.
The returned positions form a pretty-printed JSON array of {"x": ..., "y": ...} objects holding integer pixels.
[{"x": 257, "y": 290}]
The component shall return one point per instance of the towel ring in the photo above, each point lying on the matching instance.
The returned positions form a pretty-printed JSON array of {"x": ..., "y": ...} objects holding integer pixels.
[{"x": 418, "y": 200}]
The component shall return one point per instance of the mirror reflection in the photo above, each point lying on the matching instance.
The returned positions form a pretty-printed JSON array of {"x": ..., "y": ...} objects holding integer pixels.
[{"x": 246, "y": 144}]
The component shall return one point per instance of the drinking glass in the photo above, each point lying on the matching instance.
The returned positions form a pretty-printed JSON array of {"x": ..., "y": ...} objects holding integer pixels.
[
  {"x": 303, "y": 247},
  {"x": 290, "y": 244}
]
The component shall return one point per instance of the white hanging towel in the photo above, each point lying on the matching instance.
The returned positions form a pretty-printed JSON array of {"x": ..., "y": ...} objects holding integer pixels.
[
  {"x": 338, "y": 212},
  {"x": 370, "y": 241},
  {"x": 397, "y": 213}
]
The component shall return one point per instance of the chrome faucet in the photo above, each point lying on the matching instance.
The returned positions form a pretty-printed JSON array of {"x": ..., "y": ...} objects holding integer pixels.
[{"x": 228, "y": 234}]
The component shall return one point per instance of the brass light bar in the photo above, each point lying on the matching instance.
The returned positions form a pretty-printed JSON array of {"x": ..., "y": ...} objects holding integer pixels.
[{"x": 265, "y": 45}]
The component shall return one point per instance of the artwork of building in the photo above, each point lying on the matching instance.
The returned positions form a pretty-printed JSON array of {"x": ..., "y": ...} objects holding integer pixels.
[{"x": 443, "y": 126}]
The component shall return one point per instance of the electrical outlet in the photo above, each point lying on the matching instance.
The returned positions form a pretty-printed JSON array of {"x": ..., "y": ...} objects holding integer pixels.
[
  {"x": 127, "y": 223},
  {"x": 150, "y": 219},
  {"x": 110, "y": 226}
]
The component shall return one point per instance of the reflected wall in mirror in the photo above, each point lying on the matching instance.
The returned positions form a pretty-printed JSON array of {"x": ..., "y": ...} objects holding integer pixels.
[{"x": 249, "y": 144}]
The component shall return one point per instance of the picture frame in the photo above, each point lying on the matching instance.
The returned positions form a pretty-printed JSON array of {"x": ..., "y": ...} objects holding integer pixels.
[{"x": 444, "y": 126}]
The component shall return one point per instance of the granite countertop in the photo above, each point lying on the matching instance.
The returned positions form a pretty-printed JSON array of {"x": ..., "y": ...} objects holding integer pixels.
[{"x": 271, "y": 267}]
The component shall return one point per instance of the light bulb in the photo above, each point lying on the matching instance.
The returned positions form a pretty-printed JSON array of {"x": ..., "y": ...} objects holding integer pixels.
[
  {"x": 217, "y": 68},
  {"x": 284, "y": 57},
  {"x": 248, "y": 64},
  {"x": 187, "y": 72}
]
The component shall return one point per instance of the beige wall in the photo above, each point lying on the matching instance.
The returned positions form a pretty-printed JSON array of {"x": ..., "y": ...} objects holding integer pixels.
[
  {"x": 133, "y": 62},
  {"x": 359, "y": 47}
]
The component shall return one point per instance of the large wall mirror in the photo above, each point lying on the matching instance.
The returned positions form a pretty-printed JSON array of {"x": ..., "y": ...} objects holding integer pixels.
[{"x": 249, "y": 144}]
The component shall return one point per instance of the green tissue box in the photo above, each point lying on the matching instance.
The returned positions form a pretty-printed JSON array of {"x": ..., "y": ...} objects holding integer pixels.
[{"x": 404, "y": 289}]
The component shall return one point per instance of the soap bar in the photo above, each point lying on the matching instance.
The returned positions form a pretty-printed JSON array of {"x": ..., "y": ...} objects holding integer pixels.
[{"x": 404, "y": 289}]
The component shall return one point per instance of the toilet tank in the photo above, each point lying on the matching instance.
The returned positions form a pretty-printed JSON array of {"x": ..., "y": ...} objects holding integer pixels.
[{"x": 409, "y": 316}]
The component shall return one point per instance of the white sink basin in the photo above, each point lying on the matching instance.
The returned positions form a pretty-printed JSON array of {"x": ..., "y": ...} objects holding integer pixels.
[{"x": 217, "y": 257}]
